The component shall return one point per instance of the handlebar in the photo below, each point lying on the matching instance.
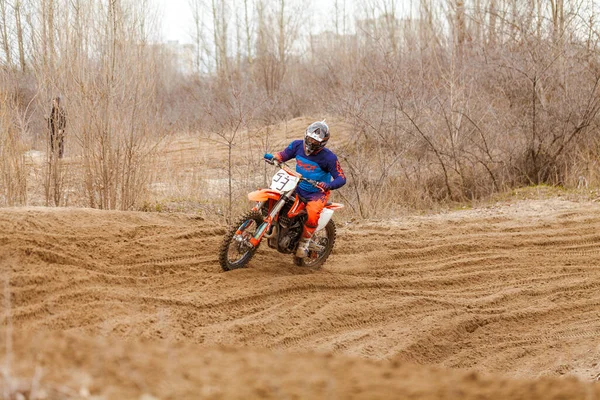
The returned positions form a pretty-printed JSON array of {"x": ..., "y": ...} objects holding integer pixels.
[
  {"x": 278, "y": 163},
  {"x": 271, "y": 161}
]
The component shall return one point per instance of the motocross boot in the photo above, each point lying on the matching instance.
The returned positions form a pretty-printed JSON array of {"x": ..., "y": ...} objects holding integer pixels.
[{"x": 302, "y": 251}]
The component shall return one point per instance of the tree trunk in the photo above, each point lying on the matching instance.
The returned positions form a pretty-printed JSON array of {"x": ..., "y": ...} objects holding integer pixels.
[
  {"x": 282, "y": 42},
  {"x": 4, "y": 34},
  {"x": 248, "y": 36},
  {"x": 492, "y": 23},
  {"x": 459, "y": 26},
  {"x": 19, "y": 26},
  {"x": 50, "y": 32}
]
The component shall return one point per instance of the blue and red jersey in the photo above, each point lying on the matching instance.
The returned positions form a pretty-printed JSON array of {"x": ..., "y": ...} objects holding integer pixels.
[{"x": 321, "y": 167}]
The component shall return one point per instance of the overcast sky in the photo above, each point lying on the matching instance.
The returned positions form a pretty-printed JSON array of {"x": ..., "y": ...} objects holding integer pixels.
[{"x": 177, "y": 19}]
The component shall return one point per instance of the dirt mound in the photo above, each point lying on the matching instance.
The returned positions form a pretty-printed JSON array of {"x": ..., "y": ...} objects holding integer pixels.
[
  {"x": 511, "y": 292},
  {"x": 211, "y": 149}
]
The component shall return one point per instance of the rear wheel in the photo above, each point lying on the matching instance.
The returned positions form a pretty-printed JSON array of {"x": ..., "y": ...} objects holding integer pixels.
[
  {"x": 236, "y": 250},
  {"x": 320, "y": 248}
]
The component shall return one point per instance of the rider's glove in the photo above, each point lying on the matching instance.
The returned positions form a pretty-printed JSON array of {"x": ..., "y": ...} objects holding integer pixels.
[
  {"x": 268, "y": 156},
  {"x": 323, "y": 186}
]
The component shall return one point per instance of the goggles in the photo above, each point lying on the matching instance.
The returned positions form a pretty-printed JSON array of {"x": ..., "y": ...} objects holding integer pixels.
[{"x": 311, "y": 141}]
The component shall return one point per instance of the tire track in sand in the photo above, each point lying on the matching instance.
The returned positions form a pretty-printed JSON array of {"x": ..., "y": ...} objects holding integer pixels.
[{"x": 502, "y": 294}]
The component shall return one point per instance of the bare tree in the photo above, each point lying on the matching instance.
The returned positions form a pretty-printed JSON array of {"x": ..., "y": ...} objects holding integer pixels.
[
  {"x": 198, "y": 34},
  {"x": 13, "y": 170},
  {"x": 18, "y": 12},
  {"x": 451, "y": 101},
  {"x": 4, "y": 34},
  {"x": 278, "y": 28}
]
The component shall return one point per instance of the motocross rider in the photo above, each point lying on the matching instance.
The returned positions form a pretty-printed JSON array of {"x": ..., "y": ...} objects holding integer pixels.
[{"x": 313, "y": 161}]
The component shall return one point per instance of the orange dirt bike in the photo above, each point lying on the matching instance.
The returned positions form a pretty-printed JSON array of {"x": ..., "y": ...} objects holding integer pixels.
[{"x": 278, "y": 216}]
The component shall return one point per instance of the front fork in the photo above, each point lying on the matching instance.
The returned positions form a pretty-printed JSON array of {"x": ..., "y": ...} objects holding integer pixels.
[{"x": 264, "y": 227}]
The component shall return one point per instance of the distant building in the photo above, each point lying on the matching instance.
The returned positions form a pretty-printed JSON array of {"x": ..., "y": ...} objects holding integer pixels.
[
  {"x": 324, "y": 40},
  {"x": 328, "y": 40},
  {"x": 182, "y": 56},
  {"x": 388, "y": 30}
]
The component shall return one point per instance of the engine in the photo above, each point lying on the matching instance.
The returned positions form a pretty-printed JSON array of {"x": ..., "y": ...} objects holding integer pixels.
[
  {"x": 290, "y": 230},
  {"x": 288, "y": 237}
]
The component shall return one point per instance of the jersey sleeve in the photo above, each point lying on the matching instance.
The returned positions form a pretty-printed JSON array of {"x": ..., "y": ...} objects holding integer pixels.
[
  {"x": 339, "y": 179},
  {"x": 288, "y": 153}
]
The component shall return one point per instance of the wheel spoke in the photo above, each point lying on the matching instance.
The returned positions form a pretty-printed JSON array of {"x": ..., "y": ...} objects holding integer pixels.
[
  {"x": 238, "y": 247},
  {"x": 320, "y": 247},
  {"x": 317, "y": 247}
]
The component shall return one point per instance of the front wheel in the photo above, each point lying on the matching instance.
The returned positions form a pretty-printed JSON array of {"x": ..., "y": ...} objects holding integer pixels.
[
  {"x": 236, "y": 250},
  {"x": 320, "y": 248}
]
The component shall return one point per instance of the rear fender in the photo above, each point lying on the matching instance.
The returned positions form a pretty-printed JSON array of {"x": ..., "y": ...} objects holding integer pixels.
[
  {"x": 327, "y": 213},
  {"x": 334, "y": 206}
]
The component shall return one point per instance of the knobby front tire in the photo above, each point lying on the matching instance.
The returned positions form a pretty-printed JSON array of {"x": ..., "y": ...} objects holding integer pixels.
[{"x": 230, "y": 248}]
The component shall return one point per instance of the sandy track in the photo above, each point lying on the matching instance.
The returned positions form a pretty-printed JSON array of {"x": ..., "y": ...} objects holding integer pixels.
[
  {"x": 511, "y": 291},
  {"x": 80, "y": 367}
]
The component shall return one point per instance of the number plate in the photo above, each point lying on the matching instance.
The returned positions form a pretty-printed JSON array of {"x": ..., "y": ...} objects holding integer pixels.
[{"x": 283, "y": 182}]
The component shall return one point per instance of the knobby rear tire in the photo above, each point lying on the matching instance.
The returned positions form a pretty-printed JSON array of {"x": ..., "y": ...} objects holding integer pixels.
[
  {"x": 331, "y": 234},
  {"x": 226, "y": 265}
]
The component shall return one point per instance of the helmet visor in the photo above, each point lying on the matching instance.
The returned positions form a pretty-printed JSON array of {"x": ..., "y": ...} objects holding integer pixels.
[{"x": 316, "y": 133}]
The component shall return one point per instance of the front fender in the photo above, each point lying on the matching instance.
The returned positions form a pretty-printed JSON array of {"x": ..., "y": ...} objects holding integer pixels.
[{"x": 264, "y": 195}]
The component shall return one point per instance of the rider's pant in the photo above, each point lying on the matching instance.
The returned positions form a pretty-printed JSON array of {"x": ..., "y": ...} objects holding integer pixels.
[{"x": 314, "y": 207}]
